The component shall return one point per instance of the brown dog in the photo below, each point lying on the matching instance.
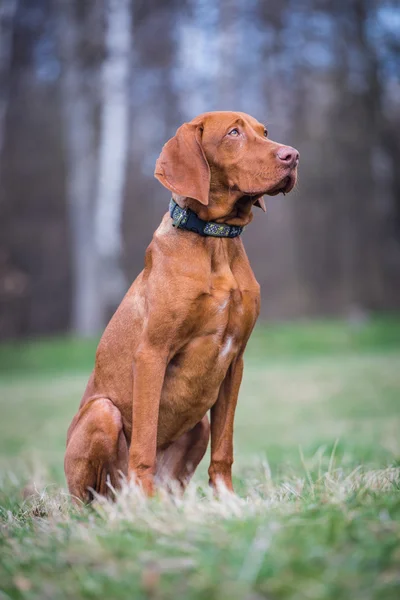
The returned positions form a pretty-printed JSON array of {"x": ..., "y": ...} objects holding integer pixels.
[{"x": 174, "y": 348}]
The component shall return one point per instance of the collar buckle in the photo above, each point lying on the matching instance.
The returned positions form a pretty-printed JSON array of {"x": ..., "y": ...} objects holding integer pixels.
[{"x": 181, "y": 216}]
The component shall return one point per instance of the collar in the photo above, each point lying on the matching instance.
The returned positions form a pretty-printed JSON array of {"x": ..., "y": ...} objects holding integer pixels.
[{"x": 184, "y": 218}]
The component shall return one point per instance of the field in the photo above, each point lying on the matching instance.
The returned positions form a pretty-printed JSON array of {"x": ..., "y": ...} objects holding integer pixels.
[{"x": 317, "y": 510}]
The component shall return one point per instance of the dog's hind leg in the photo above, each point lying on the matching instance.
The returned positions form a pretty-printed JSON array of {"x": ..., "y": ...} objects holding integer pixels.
[{"x": 97, "y": 450}]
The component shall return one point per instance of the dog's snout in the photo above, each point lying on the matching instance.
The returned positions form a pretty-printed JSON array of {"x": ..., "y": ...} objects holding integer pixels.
[{"x": 288, "y": 155}]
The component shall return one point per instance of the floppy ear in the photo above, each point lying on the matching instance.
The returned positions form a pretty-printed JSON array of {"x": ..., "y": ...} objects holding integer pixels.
[
  {"x": 182, "y": 166},
  {"x": 261, "y": 203}
]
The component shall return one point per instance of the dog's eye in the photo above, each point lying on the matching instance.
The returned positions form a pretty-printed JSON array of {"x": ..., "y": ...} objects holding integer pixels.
[
  {"x": 234, "y": 132},
  {"x": 265, "y": 133}
]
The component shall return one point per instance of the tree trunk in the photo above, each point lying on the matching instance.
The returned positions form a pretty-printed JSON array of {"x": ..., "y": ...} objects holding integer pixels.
[
  {"x": 113, "y": 152},
  {"x": 7, "y": 12},
  {"x": 81, "y": 167}
]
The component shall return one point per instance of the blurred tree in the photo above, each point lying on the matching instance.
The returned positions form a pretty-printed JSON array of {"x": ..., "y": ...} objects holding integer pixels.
[
  {"x": 32, "y": 209},
  {"x": 113, "y": 147},
  {"x": 156, "y": 113},
  {"x": 78, "y": 32},
  {"x": 95, "y": 181},
  {"x": 7, "y": 12}
]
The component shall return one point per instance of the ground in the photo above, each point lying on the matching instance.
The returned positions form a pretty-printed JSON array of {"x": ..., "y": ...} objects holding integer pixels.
[{"x": 317, "y": 510}]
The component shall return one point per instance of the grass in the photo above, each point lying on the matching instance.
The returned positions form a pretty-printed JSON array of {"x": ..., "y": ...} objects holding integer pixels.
[{"x": 317, "y": 510}]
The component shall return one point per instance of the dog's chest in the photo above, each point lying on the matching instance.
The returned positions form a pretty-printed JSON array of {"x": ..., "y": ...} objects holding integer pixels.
[
  {"x": 230, "y": 306},
  {"x": 229, "y": 316},
  {"x": 217, "y": 328},
  {"x": 220, "y": 324}
]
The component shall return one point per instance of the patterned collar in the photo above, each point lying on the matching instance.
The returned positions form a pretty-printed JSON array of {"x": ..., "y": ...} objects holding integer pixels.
[{"x": 184, "y": 218}]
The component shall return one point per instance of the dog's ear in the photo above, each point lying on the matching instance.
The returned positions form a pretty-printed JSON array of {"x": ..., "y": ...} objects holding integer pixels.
[
  {"x": 261, "y": 203},
  {"x": 182, "y": 166}
]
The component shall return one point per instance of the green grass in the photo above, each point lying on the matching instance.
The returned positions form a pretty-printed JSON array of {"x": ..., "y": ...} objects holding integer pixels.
[{"x": 317, "y": 510}]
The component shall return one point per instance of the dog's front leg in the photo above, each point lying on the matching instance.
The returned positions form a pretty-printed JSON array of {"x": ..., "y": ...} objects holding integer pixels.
[
  {"x": 222, "y": 416},
  {"x": 148, "y": 376}
]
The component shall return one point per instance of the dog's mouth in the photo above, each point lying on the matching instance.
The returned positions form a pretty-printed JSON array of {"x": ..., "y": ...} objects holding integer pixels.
[{"x": 284, "y": 186}]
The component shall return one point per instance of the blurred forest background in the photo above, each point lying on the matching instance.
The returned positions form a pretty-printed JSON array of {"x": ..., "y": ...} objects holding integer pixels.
[{"x": 90, "y": 90}]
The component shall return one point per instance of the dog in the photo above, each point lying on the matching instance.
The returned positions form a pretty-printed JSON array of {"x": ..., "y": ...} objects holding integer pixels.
[{"x": 174, "y": 348}]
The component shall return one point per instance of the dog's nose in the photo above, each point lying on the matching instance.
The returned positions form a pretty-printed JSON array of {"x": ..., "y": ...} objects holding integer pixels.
[{"x": 288, "y": 155}]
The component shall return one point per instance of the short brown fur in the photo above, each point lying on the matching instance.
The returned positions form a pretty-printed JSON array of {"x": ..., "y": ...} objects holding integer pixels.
[{"x": 174, "y": 348}]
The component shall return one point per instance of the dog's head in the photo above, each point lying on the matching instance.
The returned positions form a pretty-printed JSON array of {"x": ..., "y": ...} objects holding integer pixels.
[{"x": 222, "y": 163}]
